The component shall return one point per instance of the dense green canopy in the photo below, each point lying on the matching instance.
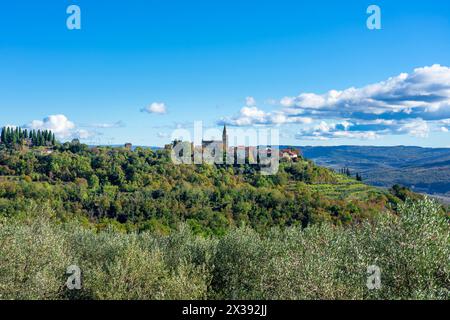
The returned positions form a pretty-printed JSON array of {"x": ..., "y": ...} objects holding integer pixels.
[{"x": 143, "y": 189}]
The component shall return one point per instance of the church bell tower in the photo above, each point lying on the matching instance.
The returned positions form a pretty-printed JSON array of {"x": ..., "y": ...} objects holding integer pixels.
[{"x": 225, "y": 138}]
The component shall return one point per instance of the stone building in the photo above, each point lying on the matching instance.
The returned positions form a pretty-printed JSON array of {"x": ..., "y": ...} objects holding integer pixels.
[{"x": 214, "y": 150}]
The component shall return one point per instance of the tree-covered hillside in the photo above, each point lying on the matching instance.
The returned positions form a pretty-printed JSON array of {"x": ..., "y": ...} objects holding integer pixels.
[
  {"x": 144, "y": 190},
  {"x": 140, "y": 227},
  {"x": 425, "y": 170}
]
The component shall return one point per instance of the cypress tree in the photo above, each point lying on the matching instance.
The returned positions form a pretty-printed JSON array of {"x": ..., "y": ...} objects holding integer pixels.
[
  {"x": 34, "y": 138},
  {"x": 39, "y": 138},
  {"x": 8, "y": 136},
  {"x": 3, "y": 136}
]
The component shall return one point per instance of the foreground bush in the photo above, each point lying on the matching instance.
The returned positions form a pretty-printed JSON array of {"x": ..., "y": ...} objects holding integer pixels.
[
  {"x": 319, "y": 262},
  {"x": 328, "y": 262}
]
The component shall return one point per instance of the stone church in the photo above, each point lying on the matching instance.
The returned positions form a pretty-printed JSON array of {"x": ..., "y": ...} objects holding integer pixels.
[
  {"x": 217, "y": 144},
  {"x": 213, "y": 150}
]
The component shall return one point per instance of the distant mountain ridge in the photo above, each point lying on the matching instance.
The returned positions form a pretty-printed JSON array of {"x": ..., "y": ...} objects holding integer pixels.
[{"x": 425, "y": 170}]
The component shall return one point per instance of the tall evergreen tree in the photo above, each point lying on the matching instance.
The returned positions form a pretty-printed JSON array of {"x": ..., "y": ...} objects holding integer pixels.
[
  {"x": 17, "y": 136},
  {"x": 8, "y": 136},
  {"x": 3, "y": 136}
]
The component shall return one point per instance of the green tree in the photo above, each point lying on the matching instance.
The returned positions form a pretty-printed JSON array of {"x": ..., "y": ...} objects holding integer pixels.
[{"x": 3, "y": 135}]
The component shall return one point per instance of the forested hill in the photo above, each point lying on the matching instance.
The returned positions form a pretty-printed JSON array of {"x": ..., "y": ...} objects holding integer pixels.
[{"x": 143, "y": 190}]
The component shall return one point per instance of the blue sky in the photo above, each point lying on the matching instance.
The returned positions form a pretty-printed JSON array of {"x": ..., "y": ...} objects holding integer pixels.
[{"x": 139, "y": 69}]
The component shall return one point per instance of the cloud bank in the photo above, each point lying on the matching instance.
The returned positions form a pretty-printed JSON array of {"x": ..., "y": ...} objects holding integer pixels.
[
  {"x": 412, "y": 104},
  {"x": 250, "y": 115},
  {"x": 425, "y": 93}
]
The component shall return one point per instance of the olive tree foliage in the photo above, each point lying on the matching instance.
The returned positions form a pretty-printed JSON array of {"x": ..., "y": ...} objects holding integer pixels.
[
  {"x": 35, "y": 254},
  {"x": 33, "y": 258},
  {"x": 323, "y": 261}
]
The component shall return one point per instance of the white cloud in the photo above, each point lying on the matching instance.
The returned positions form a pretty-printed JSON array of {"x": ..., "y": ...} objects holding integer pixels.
[
  {"x": 425, "y": 93},
  {"x": 287, "y": 102},
  {"x": 250, "y": 102},
  {"x": 155, "y": 107},
  {"x": 365, "y": 129},
  {"x": 83, "y": 134},
  {"x": 369, "y": 129},
  {"x": 443, "y": 125},
  {"x": 339, "y": 130},
  {"x": 368, "y": 135},
  {"x": 407, "y": 104},
  {"x": 117, "y": 124},
  {"x": 252, "y": 115},
  {"x": 61, "y": 126},
  {"x": 417, "y": 128}
]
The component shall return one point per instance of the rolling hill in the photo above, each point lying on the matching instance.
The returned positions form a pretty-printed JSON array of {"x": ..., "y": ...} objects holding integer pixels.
[{"x": 424, "y": 170}]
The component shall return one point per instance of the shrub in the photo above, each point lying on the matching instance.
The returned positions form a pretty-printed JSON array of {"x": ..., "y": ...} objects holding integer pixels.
[
  {"x": 33, "y": 260},
  {"x": 323, "y": 261}
]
